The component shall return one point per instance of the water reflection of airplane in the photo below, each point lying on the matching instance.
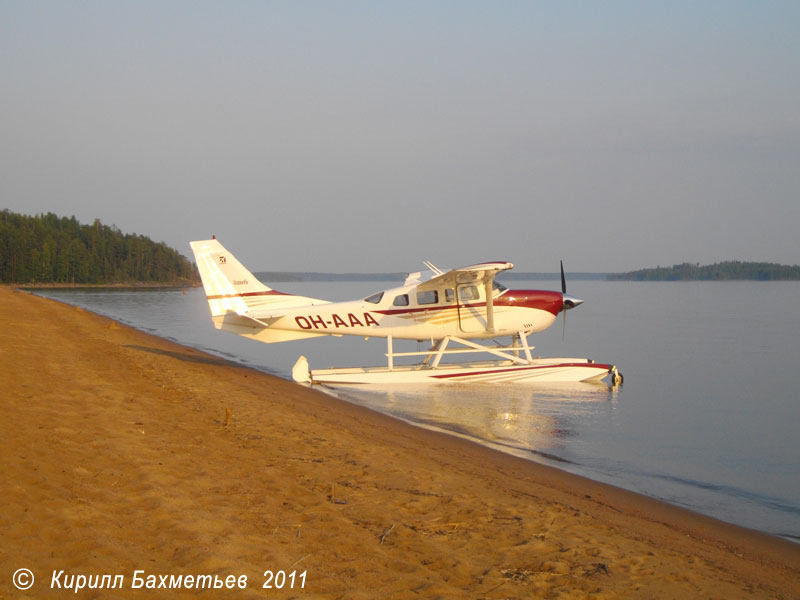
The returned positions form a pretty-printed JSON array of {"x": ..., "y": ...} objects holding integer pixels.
[
  {"x": 517, "y": 419},
  {"x": 458, "y": 306}
]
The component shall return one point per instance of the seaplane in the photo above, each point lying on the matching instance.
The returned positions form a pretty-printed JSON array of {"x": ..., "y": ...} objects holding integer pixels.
[{"x": 458, "y": 311}]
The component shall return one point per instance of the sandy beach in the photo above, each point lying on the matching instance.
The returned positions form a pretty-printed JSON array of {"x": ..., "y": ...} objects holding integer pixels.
[{"x": 124, "y": 452}]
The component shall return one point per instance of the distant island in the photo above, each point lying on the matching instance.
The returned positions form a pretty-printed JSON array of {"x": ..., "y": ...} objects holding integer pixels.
[
  {"x": 723, "y": 271},
  {"x": 52, "y": 249}
]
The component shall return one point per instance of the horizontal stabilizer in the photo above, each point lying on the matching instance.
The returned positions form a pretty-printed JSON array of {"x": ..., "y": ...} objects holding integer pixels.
[{"x": 253, "y": 329}]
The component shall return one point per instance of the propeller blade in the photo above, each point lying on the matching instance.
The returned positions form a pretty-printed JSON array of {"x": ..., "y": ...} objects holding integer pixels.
[{"x": 563, "y": 279}]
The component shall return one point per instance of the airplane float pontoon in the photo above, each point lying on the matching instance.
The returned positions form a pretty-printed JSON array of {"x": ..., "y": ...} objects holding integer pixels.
[{"x": 464, "y": 307}]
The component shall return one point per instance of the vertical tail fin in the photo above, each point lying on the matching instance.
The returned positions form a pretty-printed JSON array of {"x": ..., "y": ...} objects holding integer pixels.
[{"x": 230, "y": 287}]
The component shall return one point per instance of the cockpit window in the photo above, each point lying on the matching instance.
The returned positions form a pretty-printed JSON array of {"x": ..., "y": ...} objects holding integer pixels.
[
  {"x": 375, "y": 298},
  {"x": 498, "y": 286},
  {"x": 468, "y": 292},
  {"x": 401, "y": 300}
]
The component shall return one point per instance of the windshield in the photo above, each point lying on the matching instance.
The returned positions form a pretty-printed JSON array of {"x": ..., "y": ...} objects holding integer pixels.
[{"x": 375, "y": 298}]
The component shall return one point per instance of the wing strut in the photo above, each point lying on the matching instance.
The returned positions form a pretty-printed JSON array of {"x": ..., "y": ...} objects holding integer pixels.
[{"x": 488, "y": 281}]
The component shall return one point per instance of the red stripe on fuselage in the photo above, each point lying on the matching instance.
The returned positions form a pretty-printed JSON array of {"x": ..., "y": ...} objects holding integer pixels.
[
  {"x": 405, "y": 311},
  {"x": 551, "y": 302}
]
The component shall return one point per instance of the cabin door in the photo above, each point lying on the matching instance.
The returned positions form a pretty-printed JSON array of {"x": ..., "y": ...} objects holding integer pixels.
[{"x": 471, "y": 308}]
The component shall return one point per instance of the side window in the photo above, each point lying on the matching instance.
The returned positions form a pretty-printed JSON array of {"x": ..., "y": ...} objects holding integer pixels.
[
  {"x": 428, "y": 297},
  {"x": 401, "y": 300},
  {"x": 468, "y": 292},
  {"x": 449, "y": 295}
]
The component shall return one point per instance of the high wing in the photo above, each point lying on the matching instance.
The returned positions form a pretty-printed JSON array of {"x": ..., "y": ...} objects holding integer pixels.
[
  {"x": 474, "y": 273},
  {"x": 480, "y": 273}
]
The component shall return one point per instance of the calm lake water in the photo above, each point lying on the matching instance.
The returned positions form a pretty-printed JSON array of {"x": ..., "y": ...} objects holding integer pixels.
[{"x": 707, "y": 417}]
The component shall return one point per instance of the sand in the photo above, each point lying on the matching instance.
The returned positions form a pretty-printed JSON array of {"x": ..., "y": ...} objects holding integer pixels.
[{"x": 122, "y": 451}]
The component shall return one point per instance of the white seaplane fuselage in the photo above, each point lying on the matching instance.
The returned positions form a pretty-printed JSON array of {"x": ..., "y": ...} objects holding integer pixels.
[
  {"x": 404, "y": 313},
  {"x": 459, "y": 305}
]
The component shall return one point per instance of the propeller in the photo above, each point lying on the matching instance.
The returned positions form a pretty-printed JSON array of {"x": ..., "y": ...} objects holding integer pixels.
[
  {"x": 563, "y": 305},
  {"x": 568, "y": 302}
]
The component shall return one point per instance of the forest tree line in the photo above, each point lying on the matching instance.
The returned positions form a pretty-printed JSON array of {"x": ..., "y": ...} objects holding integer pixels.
[
  {"x": 51, "y": 249},
  {"x": 729, "y": 270}
]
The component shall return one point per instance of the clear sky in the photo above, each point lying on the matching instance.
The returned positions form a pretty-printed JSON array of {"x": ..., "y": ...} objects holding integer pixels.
[{"x": 368, "y": 136}]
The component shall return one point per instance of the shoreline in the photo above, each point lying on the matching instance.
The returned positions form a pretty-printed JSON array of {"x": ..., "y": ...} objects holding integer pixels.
[
  {"x": 132, "y": 285},
  {"x": 551, "y": 461},
  {"x": 107, "y": 421},
  {"x": 538, "y": 457}
]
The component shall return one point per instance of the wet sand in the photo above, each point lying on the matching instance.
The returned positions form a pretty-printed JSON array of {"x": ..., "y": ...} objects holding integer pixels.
[{"x": 122, "y": 451}]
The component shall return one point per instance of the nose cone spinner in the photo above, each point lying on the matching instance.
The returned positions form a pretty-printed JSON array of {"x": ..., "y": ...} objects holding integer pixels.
[{"x": 570, "y": 302}]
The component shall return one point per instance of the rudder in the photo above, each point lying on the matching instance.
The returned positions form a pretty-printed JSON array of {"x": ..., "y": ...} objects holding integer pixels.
[
  {"x": 226, "y": 281},
  {"x": 231, "y": 287}
]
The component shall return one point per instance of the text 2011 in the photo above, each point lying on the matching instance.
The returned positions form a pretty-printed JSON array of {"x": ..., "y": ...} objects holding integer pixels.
[{"x": 279, "y": 580}]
